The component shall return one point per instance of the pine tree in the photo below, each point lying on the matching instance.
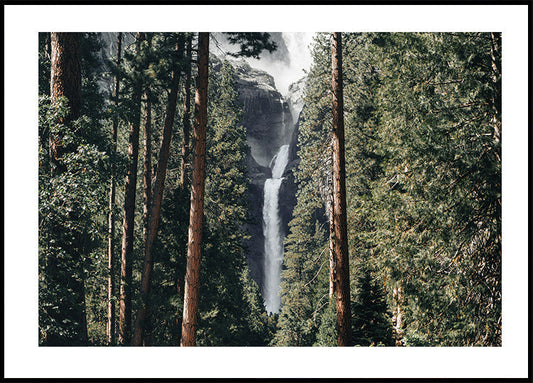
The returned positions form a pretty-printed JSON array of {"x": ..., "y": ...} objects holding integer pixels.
[
  {"x": 65, "y": 88},
  {"x": 110, "y": 327},
  {"x": 340, "y": 239},
  {"x": 129, "y": 210},
  {"x": 65, "y": 82},
  {"x": 147, "y": 189},
  {"x": 157, "y": 197},
  {"x": 186, "y": 115},
  {"x": 71, "y": 193},
  {"x": 305, "y": 277},
  {"x": 371, "y": 322},
  {"x": 436, "y": 134},
  {"x": 190, "y": 306},
  {"x": 223, "y": 308}
]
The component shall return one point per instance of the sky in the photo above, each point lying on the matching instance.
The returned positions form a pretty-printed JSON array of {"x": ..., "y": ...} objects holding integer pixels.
[
  {"x": 285, "y": 70},
  {"x": 298, "y": 45}
]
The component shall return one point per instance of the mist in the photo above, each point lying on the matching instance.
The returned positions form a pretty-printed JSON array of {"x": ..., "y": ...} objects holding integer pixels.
[
  {"x": 287, "y": 64},
  {"x": 285, "y": 72}
]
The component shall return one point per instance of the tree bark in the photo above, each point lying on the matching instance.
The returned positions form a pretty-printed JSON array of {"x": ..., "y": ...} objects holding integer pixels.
[
  {"x": 340, "y": 244},
  {"x": 192, "y": 277},
  {"x": 331, "y": 250},
  {"x": 157, "y": 197},
  {"x": 147, "y": 197},
  {"x": 110, "y": 328},
  {"x": 65, "y": 81},
  {"x": 66, "y": 71},
  {"x": 129, "y": 216},
  {"x": 329, "y": 214},
  {"x": 186, "y": 117},
  {"x": 147, "y": 168},
  {"x": 183, "y": 184},
  {"x": 495, "y": 55}
]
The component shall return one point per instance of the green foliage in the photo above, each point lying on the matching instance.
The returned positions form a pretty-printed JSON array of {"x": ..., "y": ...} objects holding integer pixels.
[
  {"x": 413, "y": 339},
  {"x": 68, "y": 228},
  {"x": 437, "y": 122},
  {"x": 304, "y": 285},
  {"x": 44, "y": 63},
  {"x": 72, "y": 206},
  {"x": 327, "y": 331},
  {"x": 251, "y": 44},
  {"x": 227, "y": 316},
  {"x": 169, "y": 253},
  {"x": 231, "y": 310},
  {"x": 371, "y": 323},
  {"x": 422, "y": 116}
]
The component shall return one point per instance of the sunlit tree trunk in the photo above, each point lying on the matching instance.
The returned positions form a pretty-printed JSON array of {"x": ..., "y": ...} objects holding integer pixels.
[
  {"x": 340, "y": 243},
  {"x": 110, "y": 328},
  {"x": 185, "y": 150},
  {"x": 186, "y": 116},
  {"x": 331, "y": 251},
  {"x": 129, "y": 215},
  {"x": 157, "y": 197},
  {"x": 329, "y": 215},
  {"x": 192, "y": 277},
  {"x": 397, "y": 316},
  {"x": 496, "y": 55}
]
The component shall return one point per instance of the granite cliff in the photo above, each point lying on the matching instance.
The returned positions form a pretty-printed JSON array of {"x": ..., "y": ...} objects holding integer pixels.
[{"x": 268, "y": 119}]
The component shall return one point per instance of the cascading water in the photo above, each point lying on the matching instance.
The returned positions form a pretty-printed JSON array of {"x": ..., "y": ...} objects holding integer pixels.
[
  {"x": 272, "y": 231},
  {"x": 285, "y": 71}
]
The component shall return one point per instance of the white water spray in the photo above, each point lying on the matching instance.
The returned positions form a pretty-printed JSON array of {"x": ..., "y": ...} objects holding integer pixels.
[
  {"x": 272, "y": 231},
  {"x": 284, "y": 73},
  {"x": 298, "y": 47}
]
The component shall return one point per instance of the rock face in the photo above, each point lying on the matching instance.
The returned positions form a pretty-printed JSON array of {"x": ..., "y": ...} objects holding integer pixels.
[
  {"x": 288, "y": 188},
  {"x": 266, "y": 115},
  {"x": 269, "y": 125},
  {"x": 296, "y": 105},
  {"x": 107, "y": 54},
  {"x": 295, "y": 97}
]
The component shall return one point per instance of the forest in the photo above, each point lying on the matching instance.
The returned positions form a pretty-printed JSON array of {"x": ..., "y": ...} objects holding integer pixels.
[{"x": 382, "y": 225}]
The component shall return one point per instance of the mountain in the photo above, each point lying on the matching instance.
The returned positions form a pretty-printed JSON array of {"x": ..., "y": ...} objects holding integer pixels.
[{"x": 268, "y": 119}]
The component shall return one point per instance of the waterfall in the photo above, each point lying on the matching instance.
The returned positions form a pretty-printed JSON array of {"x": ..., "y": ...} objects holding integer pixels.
[{"x": 272, "y": 231}]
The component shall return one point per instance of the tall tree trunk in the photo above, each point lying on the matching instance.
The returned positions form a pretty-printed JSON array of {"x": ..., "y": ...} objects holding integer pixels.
[
  {"x": 129, "y": 216},
  {"x": 329, "y": 213},
  {"x": 159, "y": 184},
  {"x": 331, "y": 249},
  {"x": 110, "y": 328},
  {"x": 340, "y": 244},
  {"x": 496, "y": 55},
  {"x": 186, "y": 116},
  {"x": 65, "y": 72},
  {"x": 192, "y": 277},
  {"x": 397, "y": 316},
  {"x": 147, "y": 197},
  {"x": 185, "y": 150},
  {"x": 65, "y": 81}
]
